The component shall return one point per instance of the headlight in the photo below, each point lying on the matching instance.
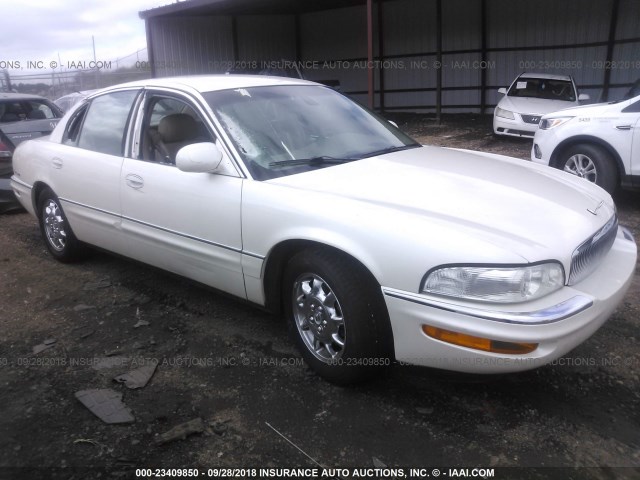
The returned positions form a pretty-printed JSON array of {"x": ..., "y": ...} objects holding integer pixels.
[
  {"x": 501, "y": 112},
  {"x": 495, "y": 283},
  {"x": 547, "y": 123}
]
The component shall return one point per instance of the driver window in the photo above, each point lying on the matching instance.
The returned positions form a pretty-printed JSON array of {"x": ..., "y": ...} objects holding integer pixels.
[{"x": 169, "y": 125}]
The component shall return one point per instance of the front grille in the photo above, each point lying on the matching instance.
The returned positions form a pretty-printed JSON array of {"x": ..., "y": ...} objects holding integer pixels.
[
  {"x": 533, "y": 119},
  {"x": 587, "y": 256}
]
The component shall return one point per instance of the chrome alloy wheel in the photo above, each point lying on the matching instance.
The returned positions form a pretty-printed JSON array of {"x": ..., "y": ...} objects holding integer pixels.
[
  {"x": 582, "y": 166},
  {"x": 318, "y": 316},
  {"x": 54, "y": 225}
]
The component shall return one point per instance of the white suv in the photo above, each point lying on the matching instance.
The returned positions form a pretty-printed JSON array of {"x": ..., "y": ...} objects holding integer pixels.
[{"x": 598, "y": 142}]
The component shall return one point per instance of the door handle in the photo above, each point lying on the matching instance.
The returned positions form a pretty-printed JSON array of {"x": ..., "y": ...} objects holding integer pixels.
[
  {"x": 56, "y": 162},
  {"x": 134, "y": 181},
  {"x": 623, "y": 127}
]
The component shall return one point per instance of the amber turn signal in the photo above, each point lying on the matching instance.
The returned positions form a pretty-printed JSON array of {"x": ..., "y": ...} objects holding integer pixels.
[{"x": 478, "y": 343}]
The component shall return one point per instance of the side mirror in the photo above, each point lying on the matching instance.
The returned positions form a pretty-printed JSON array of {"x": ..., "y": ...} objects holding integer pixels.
[
  {"x": 583, "y": 97},
  {"x": 199, "y": 158},
  {"x": 502, "y": 90}
]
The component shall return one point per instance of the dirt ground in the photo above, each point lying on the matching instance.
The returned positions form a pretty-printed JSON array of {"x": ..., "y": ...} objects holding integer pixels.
[{"x": 233, "y": 366}]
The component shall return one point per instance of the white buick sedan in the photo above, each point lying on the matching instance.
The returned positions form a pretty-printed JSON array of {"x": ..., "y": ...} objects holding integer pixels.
[{"x": 289, "y": 195}]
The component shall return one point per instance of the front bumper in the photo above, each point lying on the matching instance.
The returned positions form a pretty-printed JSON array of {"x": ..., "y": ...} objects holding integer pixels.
[
  {"x": 544, "y": 145},
  {"x": 557, "y": 323},
  {"x": 513, "y": 128}
]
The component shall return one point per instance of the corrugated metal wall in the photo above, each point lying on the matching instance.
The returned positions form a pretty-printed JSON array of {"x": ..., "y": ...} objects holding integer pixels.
[
  {"x": 547, "y": 23},
  {"x": 625, "y": 66},
  {"x": 546, "y": 36},
  {"x": 336, "y": 35},
  {"x": 191, "y": 45},
  {"x": 264, "y": 38}
]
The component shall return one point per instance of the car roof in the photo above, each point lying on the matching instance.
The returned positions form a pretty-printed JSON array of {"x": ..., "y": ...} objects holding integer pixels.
[
  {"x": 81, "y": 93},
  {"x": 209, "y": 83},
  {"x": 19, "y": 96},
  {"x": 546, "y": 76}
]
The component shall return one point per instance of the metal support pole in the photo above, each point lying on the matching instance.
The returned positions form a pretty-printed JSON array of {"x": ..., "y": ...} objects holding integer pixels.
[
  {"x": 615, "y": 8},
  {"x": 439, "y": 61},
  {"x": 483, "y": 58},
  {"x": 370, "y": 52},
  {"x": 95, "y": 63},
  {"x": 381, "y": 52}
]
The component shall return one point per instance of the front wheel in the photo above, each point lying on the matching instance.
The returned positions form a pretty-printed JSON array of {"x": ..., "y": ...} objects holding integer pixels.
[
  {"x": 592, "y": 163},
  {"x": 55, "y": 229},
  {"x": 336, "y": 315}
]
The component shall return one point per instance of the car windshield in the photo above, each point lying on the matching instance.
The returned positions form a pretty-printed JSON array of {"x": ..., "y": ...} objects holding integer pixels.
[
  {"x": 27, "y": 109},
  {"x": 284, "y": 130},
  {"x": 545, "y": 88}
]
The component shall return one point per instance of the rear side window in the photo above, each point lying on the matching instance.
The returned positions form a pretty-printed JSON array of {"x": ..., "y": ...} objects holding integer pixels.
[{"x": 105, "y": 123}]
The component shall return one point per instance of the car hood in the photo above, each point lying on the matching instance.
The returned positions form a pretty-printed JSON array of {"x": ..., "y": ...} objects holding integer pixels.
[
  {"x": 593, "y": 109},
  {"x": 19, "y": 132},
  {"x": 533, "y": 106},
  {"x": 533, "y": 211}
]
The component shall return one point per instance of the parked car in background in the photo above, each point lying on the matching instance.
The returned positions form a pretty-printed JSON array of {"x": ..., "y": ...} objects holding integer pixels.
[
  {"x": 67, "y": 101},
  {"x": 23, "y": 117},
  {"x": 530, "y": 96},
  {"x": 374, "y": 247},
  {"x": 5, "y": 81},
  {"x": 600, "y": 143}
]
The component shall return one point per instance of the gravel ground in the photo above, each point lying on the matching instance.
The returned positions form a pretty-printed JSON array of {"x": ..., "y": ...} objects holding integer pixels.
[{"x": 233, "y": 366}]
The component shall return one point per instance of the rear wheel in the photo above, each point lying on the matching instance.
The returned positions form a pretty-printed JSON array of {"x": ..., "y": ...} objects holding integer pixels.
[
  {"x": 335, "y": 315},
  {"x": 55, "y": 229},
  {"x": 592, "y": 163}
]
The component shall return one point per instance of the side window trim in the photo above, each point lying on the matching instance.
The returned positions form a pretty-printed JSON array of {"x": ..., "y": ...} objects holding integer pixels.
[{"x": 129, "y": 134}]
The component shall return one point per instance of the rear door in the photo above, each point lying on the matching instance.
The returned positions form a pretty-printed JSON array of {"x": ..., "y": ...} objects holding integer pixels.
[{"x": 85, "y": 168}]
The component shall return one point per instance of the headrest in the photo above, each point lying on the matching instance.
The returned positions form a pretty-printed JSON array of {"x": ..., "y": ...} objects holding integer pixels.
[
  {"x": 36, "y": 115},
  {"x": 177, "y": 127}
]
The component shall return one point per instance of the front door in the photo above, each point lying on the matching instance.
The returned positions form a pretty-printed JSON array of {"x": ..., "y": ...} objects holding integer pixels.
[{"x": 187, "y": 223}]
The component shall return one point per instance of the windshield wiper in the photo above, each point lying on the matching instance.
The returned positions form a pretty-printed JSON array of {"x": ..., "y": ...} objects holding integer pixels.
[
  {"x": 310, "y": 161},
  {"x": 390, "y": 150}
]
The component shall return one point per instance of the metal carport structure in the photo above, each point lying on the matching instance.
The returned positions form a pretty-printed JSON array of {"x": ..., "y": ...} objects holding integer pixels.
[{"x": 412, "y": 55}]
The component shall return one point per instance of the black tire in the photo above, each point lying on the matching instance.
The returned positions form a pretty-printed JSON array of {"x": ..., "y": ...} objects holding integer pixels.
[
  {"x": 364, "y": 326},
  {"x": 55, "y": 229},
  {"x": 591, "y": 162}
]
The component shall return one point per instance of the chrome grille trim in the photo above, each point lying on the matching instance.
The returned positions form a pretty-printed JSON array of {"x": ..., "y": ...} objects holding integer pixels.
[{"x": 587, "y": 256}]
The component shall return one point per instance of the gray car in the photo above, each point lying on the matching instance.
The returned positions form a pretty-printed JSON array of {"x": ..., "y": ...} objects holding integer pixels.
[{"x": 23, "y": 117}]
